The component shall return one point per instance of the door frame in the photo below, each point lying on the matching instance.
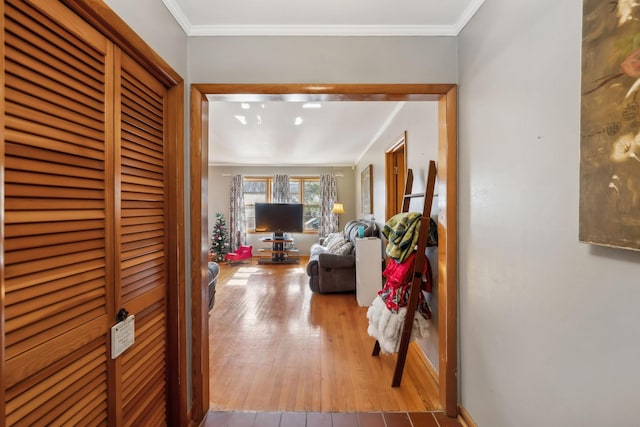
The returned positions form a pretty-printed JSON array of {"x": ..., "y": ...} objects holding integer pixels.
[
  {"x": 444, "y": 94},
  {"x": 392, "y": 200}
]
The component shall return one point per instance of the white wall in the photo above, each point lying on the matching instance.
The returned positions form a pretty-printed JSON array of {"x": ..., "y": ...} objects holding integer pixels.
[
  {"x": 420, "y": 120},
  {"x": 152, "y": 21},
  {"x": 220, "y": 185},
  {"x": 322, "y": 59},
  {"x": 549, "y": 326}
]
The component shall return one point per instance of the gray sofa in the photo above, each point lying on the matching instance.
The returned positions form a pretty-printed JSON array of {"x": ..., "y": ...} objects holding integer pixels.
[
  {"x": 337, "y": 273},
  {"x": 213, "y": 269}
]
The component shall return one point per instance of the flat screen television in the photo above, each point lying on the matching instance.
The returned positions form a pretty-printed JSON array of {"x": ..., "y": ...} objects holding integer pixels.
[{"x": 279, "y": 218}]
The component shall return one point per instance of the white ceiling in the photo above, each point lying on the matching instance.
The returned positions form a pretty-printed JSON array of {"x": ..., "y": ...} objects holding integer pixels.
[
  {"x": 338, "y": 133},
  {"x": 326, "y": 17}
]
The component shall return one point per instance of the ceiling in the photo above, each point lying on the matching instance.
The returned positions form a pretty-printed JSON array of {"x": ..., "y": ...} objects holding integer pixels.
[
  {"x": 326, "y": 17},
  {"x": 289, "y": 133},
  {"x": 338, "y": 133}
]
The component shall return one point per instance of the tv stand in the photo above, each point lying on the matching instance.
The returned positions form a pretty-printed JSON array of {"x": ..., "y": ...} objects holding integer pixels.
[{"x": 280, "y": 252}]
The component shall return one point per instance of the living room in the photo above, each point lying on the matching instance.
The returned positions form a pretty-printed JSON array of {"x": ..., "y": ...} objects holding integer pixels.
[
  {"x": 417, "y": 118},
  {"x": 414, "y": 120}
]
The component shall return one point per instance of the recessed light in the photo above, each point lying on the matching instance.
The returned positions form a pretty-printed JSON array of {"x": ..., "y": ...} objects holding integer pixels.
[
  {"x": 245, "y": 106},
  {"x": 241, "y": 119},
  {"x": 298, "y": 121},
  {"x": 311, "y": 105}
]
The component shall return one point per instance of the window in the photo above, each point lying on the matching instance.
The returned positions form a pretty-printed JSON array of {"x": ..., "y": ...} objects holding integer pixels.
[
  {"x": 302, "y": 190},
  {"x": 255, "y": 191},
  {"x": 311, "y": 201}
]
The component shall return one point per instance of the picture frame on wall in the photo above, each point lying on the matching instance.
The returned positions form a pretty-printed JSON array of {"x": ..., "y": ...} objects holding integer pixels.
[
  {"x": 610, "y": 125},
  {"x": 366, "y": 190}
]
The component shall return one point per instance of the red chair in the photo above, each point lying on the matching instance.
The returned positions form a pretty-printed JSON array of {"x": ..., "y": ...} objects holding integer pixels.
[{"x": 242, "y": 253}]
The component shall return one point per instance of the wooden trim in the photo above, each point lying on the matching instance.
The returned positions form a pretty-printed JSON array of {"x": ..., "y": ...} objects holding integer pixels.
[
  {"x": 2, "y": 222},
  {"x": 392, "y": 197},
  {"x": 432, "y": 370},
  {"x": 199, "y": 251},
  {"x": 447, "y": 170},
  {"x": 466, "y": 418},
  {"x": 447, "y": 252},
  {"x": 113, "y": 117},
  {"x": 105, "y": 20},
  {"x": 351, "y": 92},
  {"x": 176, "y": 276}
]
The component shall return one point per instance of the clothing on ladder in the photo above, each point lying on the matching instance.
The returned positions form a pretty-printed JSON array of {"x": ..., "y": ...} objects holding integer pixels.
[{"x": 388, "y": 311}]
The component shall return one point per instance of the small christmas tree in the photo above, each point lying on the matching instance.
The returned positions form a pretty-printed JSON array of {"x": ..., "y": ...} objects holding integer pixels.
[{"x": 219, "y": 239}]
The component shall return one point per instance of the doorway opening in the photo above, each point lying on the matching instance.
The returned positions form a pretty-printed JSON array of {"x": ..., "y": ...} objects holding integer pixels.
[
  {"x": 444, "y": 94},
  {"x": 395, "y": 166}
]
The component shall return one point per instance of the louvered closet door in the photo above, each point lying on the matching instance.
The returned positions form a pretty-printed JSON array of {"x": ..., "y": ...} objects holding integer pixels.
[
  {"x": 56, "y": 222},
  {"x": 142, "y": 286},
  {"x": 85, "y": 233}
]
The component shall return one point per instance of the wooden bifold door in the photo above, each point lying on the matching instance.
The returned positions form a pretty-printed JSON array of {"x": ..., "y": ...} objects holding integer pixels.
[{"x": 84, "y": 221}]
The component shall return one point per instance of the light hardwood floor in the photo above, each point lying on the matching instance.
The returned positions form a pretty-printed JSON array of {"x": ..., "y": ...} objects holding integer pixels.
[{"x": 276, "y": 346}]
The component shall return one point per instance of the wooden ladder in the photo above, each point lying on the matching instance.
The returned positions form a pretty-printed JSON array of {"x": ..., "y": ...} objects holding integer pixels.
[{"x": 418, "y": 268}]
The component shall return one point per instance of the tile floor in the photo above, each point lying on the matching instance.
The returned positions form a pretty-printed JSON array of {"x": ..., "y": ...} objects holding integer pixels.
[{"x": 325, "y": 419}]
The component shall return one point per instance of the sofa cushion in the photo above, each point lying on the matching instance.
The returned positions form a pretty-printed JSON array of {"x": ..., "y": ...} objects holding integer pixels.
[
  {"x": 335, "y": 245},
  {"x": 343, "y": 248},
  {"x": 332, "y": 237}
]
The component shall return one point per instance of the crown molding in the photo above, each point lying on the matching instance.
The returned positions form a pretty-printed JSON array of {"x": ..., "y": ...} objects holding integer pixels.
[
  {"x": 322, "y": 30},
  {"x": 179, "y": 15},
  {"x": 467, "y": 14}
]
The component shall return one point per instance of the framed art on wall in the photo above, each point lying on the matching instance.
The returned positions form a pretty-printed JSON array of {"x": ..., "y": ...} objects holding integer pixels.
[
  {"x": 610, "y": 125},
  {"x": 366, "y": 190}
]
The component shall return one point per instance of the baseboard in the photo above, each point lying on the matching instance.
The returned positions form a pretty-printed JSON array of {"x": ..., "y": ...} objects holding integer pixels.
[
  {"x": 427, "y": 362},
  {"x": 466, "y": 418}
]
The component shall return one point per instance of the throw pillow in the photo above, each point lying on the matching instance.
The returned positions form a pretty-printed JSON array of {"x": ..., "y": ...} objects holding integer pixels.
[
  {"x": 332, "y": 238},
  {"x": 344, "y": 248},
  {"x": 335, "y": 244}
]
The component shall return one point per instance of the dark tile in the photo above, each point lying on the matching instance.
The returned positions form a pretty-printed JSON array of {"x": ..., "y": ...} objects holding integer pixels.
[
  {"x": 217, "y": 419},
  {"x": 344, "y": 419},
  {"x": 423, "y": 419},
  {"x": 445, "y": 421},
  {"x": 371, "y": 419},
  {"x": 242, "y": 419},
  {"x": 230, "y": 419},
  {"x": 397, "y": 419},
  {"x": 316, "y": 419},
  {"x": 293, "y": 419},
  {"x": 267, "y": 419}
]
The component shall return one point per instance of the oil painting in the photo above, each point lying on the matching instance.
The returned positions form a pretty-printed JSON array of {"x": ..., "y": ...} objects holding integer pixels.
[
  {"x": 366, "y": 190},
  {"x": 610, "y": 124}
]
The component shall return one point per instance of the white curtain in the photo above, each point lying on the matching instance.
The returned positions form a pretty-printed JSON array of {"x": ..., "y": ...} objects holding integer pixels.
[
  {"x": 237, "y": 231},
  {"x": 281, "y": 190},
  {"x": 328, "y": 196}
]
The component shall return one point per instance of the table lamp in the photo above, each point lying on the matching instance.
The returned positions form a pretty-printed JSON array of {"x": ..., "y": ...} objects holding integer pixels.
[{"x": 338, "y": 208}]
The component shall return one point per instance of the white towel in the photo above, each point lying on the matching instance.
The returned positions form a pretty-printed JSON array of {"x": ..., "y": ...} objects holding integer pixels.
[{"x": 386, "y": 326}]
